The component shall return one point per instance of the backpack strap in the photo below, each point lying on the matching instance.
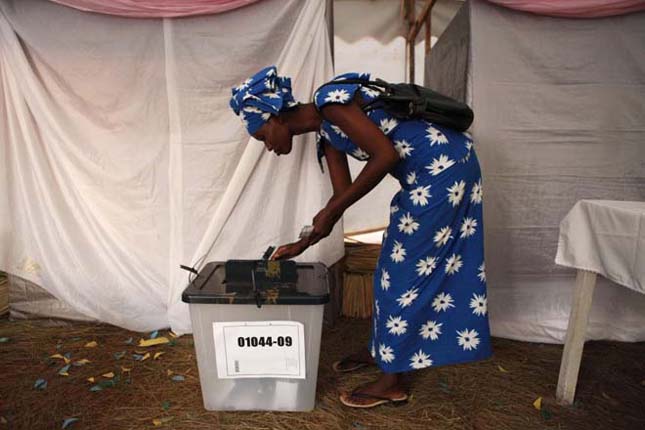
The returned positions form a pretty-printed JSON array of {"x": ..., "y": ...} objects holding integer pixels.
[{"x": 378, "y": 85}]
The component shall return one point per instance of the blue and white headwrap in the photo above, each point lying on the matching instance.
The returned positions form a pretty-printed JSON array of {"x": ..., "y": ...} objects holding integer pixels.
[{"x": 262, "y": 95}]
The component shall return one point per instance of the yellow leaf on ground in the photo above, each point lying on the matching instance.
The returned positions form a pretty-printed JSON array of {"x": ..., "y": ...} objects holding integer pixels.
[
  {"x": 169, "y": 372},
  {"x": 157, "y": 355},
  {"x": 83, "y": 361},
  {"x": 90, "y": 379},
  {"x": 125, "y": 369},
  {"x": 537, "y": 404},
  {"x": 159, "y": 421},
  {"x": 108, "y": 375},
  {"x": 63, "y": 373},
  {"x": 91, "y": 344},
  {"x": 145, "y": 357},
  {"x": 152, "y": 342},
  {"x": 61, "y": 357},
  {"x": 501, "y": 369}
]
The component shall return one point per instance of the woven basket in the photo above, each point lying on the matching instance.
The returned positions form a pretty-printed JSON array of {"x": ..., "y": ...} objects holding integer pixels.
[
  {"x": 360, "y": 262},
  {"x": 4, "y": 294}
]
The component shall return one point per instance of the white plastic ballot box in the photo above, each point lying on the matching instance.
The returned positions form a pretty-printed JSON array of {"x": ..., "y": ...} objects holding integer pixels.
[{"x": 257, "y": 328}]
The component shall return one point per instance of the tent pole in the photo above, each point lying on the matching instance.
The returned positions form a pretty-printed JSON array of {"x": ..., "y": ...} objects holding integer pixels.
[
  {"x": 409, "y": 10},
  {"x": 414, "y": 26},
  {"x": 329, "y": 17},
  {"x": 428, "y": 33}
]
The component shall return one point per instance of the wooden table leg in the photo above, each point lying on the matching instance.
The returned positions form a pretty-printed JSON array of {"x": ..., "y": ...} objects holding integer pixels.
[{"x": 575, "y": 340}]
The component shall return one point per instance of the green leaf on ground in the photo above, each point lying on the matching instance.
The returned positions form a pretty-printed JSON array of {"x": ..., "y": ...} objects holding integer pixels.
[
  {"x": 443, "y": 386},
  {"x": 106, "y": 384},
  {"x": 68, "y": 422}
]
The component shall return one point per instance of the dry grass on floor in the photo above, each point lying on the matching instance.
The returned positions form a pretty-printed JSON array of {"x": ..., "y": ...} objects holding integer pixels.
[{"x": 497, "y": 394}]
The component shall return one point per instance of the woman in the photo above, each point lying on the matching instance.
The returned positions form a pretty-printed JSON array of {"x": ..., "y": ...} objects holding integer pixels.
[{"x": 430, "y": 305}]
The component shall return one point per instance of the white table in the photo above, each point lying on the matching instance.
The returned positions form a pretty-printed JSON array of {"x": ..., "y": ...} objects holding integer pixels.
[{"x": 597, "y": 237}]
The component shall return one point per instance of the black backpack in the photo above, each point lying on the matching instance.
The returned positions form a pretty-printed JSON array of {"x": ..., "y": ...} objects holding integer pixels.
[{"x": 410, "y": 101}]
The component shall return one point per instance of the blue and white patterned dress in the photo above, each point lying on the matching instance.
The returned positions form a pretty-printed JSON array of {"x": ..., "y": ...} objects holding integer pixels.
[{"x": 430, "y": 306}]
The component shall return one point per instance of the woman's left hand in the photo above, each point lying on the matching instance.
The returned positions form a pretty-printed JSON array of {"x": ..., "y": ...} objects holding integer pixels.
[
  {"x": 291, "y": 250},
  {"x": 323, "y": 224}
]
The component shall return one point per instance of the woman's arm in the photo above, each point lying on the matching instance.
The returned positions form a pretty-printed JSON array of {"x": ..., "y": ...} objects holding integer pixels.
[
  {"x": 339, "y": 174},
  {"x": 366, "y": 135},
  {"x": 383, "y": 157}
]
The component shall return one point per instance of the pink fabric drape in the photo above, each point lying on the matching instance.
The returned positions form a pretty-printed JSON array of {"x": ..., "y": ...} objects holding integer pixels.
[
  {"x": 574, "y": 8},
  {"x": 155, "y": 8}
]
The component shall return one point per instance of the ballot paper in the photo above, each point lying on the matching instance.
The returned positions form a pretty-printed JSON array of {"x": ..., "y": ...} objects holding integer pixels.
[{"x": 260, "y": 349}]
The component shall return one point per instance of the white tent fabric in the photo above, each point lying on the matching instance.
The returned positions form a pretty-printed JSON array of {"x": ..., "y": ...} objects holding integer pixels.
[
  {"x": 120, "y": 159},
  {"x": 559, "y": 112}
]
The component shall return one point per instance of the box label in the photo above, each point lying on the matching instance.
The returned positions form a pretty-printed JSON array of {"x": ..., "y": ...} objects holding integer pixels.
[{"x": 260, "y": 349}]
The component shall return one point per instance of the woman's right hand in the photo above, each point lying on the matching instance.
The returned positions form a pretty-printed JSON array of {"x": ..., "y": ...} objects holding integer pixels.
[{"x": 324, "y": 222}]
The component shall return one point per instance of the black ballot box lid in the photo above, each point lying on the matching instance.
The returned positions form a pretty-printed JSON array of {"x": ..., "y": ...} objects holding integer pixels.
[{"x": 244, "y": 282}]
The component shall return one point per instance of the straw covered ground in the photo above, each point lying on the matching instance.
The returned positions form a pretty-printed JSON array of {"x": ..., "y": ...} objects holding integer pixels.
[{"x": 497, "y": 394}]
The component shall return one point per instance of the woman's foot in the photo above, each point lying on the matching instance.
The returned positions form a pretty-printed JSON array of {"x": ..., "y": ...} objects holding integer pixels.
[
  {"x": 353, "y": 362},
  {"x": 387, "y": 389}
]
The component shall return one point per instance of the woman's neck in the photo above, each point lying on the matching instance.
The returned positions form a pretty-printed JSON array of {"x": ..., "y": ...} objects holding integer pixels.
[{"x": 303, "y": 119}]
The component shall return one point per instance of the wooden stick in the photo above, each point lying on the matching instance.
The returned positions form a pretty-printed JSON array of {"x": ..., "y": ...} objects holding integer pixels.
[
  {"x": 411, "y": 61},
  {"x": 421, "y": 19},
  {"x": 410, "y": 13},
  {"x": 329, "y": 17},
  {"x": 414, "y": 26}
]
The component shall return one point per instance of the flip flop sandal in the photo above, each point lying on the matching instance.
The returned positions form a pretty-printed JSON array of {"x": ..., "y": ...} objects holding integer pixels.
[
  {"x": 338, "y": 365},
  {"x": 376, "y": 400}
]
